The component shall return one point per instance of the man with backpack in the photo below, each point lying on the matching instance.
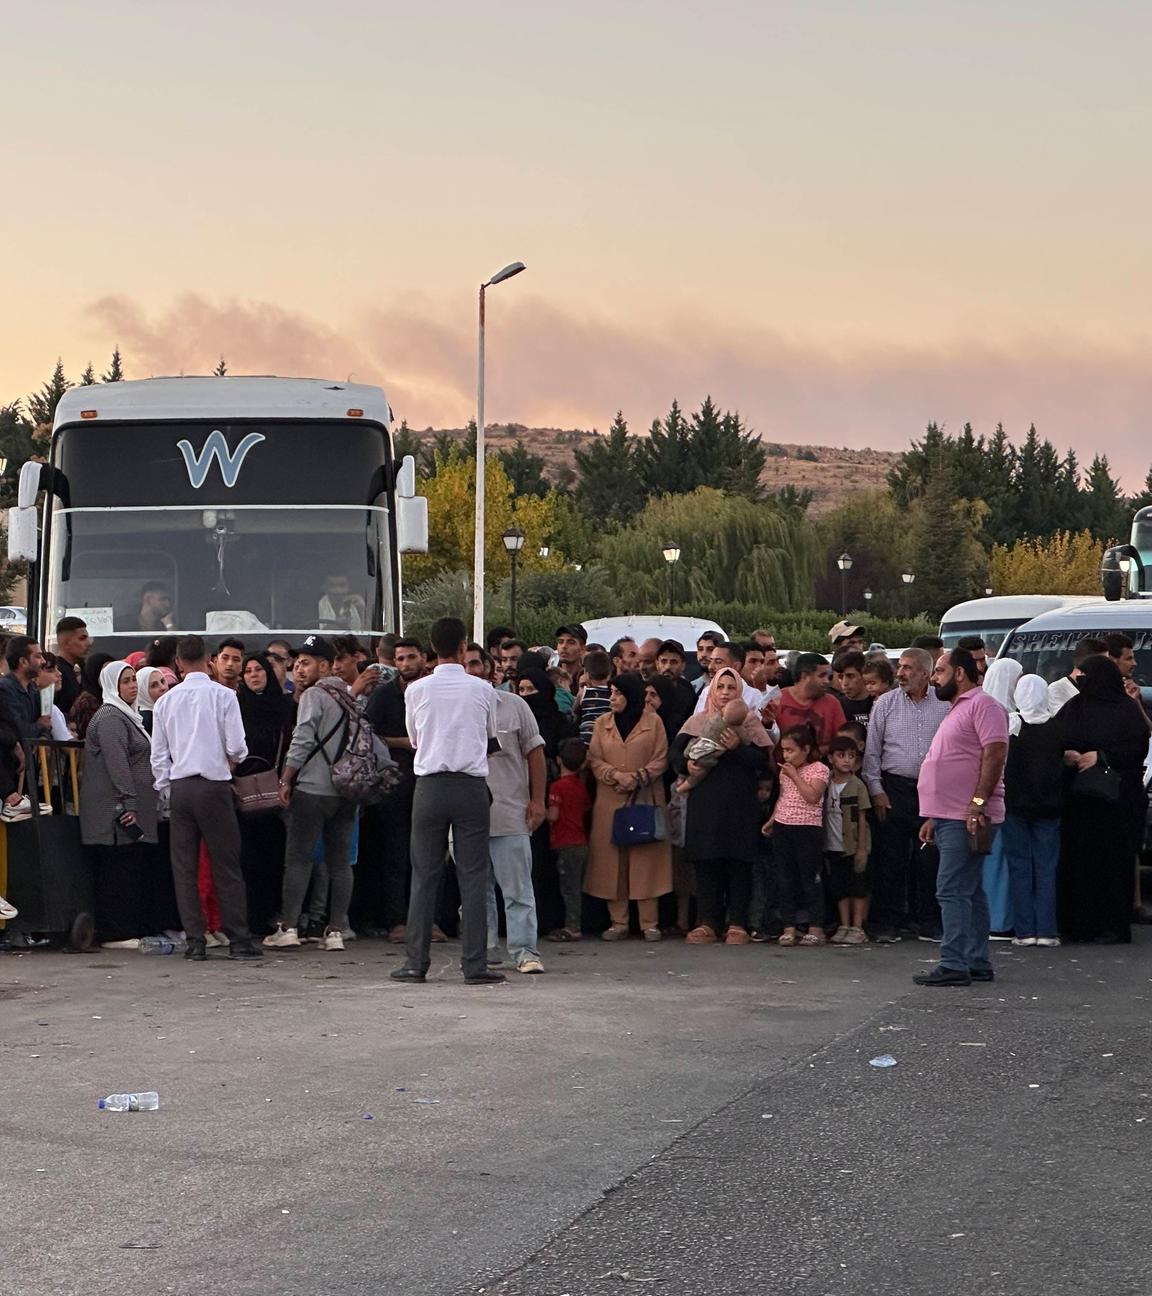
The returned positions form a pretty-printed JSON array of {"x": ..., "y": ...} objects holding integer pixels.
[{"x": 334, "y": 762}]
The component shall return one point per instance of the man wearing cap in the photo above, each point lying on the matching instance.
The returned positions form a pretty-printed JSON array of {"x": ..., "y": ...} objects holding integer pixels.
[
  {"x": 571, "y": 640},
  {"x": 315, "y": 809},
  {"x": 846, "y": 636}
]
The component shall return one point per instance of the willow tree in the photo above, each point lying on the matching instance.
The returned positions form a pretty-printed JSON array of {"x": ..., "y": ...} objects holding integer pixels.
[{"x": 731, "y": 550}]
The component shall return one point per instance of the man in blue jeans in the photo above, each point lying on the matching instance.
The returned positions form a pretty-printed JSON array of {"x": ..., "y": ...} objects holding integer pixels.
[{"x": 961, "y": 791}]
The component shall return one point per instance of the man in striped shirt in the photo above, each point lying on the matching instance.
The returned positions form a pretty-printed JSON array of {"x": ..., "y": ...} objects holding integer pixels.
[{"x": 901, "y": 727}]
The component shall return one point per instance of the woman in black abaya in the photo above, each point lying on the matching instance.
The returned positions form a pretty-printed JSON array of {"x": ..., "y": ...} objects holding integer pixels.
[{"x": 1100, "y": 838}]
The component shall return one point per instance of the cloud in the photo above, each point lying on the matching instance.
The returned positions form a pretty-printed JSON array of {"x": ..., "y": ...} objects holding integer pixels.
[{"x": 552, "y": 367}]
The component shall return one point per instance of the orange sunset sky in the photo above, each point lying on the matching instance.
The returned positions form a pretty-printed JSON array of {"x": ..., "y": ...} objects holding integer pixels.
[{"x": 844, "y": 219}]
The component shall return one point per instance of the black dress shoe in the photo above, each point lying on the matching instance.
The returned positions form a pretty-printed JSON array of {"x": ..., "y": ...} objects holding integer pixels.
[
  {"x": 482, "y": 978},
  {"x": 979, "y": 974},
  {"x": 245, "y": 951},
  {"x": 942, "y": 976},
  {"x": 196, "y": 950},
  {"x": 405, "y": 974}
]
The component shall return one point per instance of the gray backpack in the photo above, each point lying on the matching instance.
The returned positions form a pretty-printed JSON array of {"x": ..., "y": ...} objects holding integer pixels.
[{"x": 363, "y": 770}]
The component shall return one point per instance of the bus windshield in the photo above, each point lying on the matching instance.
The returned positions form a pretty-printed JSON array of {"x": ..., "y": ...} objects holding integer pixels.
[
  {"x": 221, "y": 570},
  {"x": 993, "y": 635},
  {"x": 1049, "y": 653}
]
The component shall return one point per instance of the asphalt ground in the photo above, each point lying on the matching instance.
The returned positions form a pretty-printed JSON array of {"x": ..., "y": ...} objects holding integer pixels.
[{"x": 665, "y": 1117}]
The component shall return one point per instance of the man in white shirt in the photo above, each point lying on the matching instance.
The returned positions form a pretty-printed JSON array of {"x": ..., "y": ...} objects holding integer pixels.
[
  {"x": 449, "y": 716},
  {"x": 197, "y": 739}
]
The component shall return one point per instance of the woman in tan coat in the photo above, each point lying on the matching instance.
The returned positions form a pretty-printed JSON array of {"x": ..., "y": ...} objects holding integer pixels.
[{"x": 629, "y": 750}]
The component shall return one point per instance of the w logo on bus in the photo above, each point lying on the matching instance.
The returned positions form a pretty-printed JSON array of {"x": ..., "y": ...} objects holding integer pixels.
[{"x": 216, "y": 447}]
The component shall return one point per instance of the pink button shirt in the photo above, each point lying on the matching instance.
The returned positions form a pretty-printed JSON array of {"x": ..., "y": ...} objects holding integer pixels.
[{"x": 948, "y": 776}]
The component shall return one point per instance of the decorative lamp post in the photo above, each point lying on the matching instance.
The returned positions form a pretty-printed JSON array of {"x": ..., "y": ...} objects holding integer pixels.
[
  {"x": 908, "y": 577},
  {"x": 478, "y": 552},
  {"x": 868, "y": 600},
  {"x": 844, "y": 562},
  {"x": 671, "y": 551},
  {"x": 514, "y": 542}
]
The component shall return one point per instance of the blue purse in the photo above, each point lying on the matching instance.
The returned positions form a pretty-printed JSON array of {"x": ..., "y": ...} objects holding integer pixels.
[{"x": 639, "y": 825}]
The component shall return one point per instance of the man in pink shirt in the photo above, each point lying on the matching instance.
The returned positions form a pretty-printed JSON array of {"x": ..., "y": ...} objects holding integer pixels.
[{"x": 961, "y": 792}]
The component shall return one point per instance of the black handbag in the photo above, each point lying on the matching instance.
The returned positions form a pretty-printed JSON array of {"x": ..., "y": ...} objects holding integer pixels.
[
  {"x": 639, "y": 825},
  {"x": 1099, "y": 781}
]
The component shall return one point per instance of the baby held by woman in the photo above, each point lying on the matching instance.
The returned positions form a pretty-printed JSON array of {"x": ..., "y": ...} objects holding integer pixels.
[{"x": 707, "y": 749}]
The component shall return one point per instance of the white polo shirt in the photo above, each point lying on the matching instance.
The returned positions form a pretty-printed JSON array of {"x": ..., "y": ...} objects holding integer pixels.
[{"x": 449, "y": 718}]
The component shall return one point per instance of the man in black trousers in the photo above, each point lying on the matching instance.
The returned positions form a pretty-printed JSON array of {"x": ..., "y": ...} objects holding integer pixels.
[{"x": 450, "y": 721}]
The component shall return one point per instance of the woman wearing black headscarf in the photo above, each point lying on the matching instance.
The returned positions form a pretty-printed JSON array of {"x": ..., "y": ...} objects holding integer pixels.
[
  {"x": 539, "y": 692},
  {"x": 1103, "y": 725},
  {"x": 266, "y": 712},
  {"x": 628, "y": 753},
  {"x": 91, "y": 697}
]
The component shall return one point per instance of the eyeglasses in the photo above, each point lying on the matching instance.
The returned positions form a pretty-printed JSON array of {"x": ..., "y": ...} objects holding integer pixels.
[{"x": 277, "y": 657}]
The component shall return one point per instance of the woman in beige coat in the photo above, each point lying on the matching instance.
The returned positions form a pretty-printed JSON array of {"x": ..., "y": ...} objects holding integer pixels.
[{"x": 629, "y": 750}]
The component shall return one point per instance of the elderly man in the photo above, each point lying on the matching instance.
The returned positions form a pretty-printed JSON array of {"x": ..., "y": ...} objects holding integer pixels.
[
  {"x": 901, "y": 727},
  {"x": 649, "y": 651},
  {"x": 962, "y": 793}
]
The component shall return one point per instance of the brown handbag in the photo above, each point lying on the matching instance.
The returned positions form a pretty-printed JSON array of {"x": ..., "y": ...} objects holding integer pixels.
[{"x": 259, "y": 792}]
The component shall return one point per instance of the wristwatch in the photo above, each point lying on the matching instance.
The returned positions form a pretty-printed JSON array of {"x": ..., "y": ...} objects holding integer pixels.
[{"x": 978, "y": 801}]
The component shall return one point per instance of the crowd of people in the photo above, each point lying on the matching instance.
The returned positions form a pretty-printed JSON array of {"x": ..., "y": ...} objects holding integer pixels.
[{"x": 574, "y": 790}]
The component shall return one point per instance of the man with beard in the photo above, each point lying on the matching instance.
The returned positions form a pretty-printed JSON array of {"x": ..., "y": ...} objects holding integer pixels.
[
  {"x": 961, "y": 790},
  {"x": 385, "y": 712},
  {"x": 571, "y": 642},
  {"x": 670, "y": 664}
]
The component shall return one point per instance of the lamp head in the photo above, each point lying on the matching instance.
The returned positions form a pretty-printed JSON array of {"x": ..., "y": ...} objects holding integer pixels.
[
  {"x": 506, "y": 273},
  {"x": 513, "y": 539},
  {"x": 671, "y": 551}
]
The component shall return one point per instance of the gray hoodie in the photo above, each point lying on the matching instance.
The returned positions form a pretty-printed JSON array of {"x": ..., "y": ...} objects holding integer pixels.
[{"x": 317, "y": 715}]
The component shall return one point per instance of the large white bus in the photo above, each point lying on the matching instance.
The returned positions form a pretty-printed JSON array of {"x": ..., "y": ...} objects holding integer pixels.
[
  {"x": 263, "y": 507},
  {"x": 995, "y": 617}
]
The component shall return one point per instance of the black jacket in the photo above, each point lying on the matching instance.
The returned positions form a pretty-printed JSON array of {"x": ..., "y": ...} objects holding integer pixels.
[{"x": 1034, "y": 771}]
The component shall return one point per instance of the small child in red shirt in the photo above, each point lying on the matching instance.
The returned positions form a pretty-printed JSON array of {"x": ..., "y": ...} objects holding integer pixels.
[{"x": 568, "y": 808}]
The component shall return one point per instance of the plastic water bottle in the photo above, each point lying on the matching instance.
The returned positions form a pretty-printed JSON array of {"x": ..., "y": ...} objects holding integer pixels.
[
  {"x": 158, "y": 945},
  {"x": 130, "y": 1102}
]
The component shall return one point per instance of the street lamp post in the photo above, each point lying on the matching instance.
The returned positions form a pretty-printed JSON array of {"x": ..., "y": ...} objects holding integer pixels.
[
  {"x": 513, "y": 542},
  {"x": 868, "y": 601},
  {"x": 844, "y": 562},
  {"x": 908, "y": 577},
  {"x": 478, "y": 553},
  {"x": 671, "y": 551}
]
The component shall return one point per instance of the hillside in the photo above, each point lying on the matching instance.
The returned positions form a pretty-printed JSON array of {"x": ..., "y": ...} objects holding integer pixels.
[{"x": 831, "y": 473}]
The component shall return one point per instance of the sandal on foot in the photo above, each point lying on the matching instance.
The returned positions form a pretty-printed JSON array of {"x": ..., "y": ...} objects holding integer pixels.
[
  {"x": 811, "y": 938},
  {"x": 737, "y": 936},
  {"x": 702, "y": 935},
  {"x": 614, "y": 933},
  {"x": 787, "y": 938}
]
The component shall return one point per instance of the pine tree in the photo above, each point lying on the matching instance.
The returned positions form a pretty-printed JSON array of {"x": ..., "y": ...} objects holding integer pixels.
[
  {"x": 723, "y": 455},
  {"x": 665, "y": 460},
  {"x": 88, "y": 377},
  {"x": 525, "y": 470},
  {"x": 610, "y": 491},
  {"x": 221, "y": 369},
  {"x": 1107, "y": 512},
  {"x": 115, "y": 369},
  {"x": 1144, "y": 499},
  {"x": 1071, "y": 511},
  {"x": 1037, "y": 486},
  {"x": 945, "y": 551},
  {"x": 17, "y": 445},
  {"x": 42, "y": 405},
  {"x": 405, "y": 442},
  {"x": 1001, "y": 523}
]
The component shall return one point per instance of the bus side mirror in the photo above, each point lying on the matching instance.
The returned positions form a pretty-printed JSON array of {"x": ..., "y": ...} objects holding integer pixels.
[
  {"x": 22, "y": 535},
  {"x": 29, "y": 485},
  {"x": 406, "y": 478},
  {"x": 1122, "y": 573},
  {"x": 412, "y": 524}
]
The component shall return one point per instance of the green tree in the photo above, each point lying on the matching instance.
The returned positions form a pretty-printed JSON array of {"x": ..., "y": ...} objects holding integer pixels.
[
  {"x": 1107, "y": 513},
  {"x": 665, "y": 461},
  {"x": 405, "y": 442},
  {"x": 730, "y": 549},
  {"x": 946, "y": 555},
  {"x": 525, "y": 470},
  {"x": 42, "y": 404},
  {"x": 610, "y": 491},
  {"x": 1144, "y": 498},
  {"x": 18, "y": 443},
  {"x": 1037, "y": 486},
  {"x": 115, "y": 369},
  {"x": 221, "y": 369},
  {"x": 88, "y": 377}
]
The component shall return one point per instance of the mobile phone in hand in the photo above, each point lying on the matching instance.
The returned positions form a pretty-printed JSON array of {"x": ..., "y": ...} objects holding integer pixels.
[{"x": 132, "y": 831}]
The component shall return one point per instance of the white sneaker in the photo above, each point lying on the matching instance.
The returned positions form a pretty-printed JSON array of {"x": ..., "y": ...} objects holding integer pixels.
[
  {"x": 1049, "y": 942},
  {"x": 1024, "y": 940},
  {"x": 331, "y": 940},
  {"x": 7, "y": 910},
  {"x": 282, "y": 938},
  {"x": 215, "y": 940},
  {"x": 530, "y": 965}
]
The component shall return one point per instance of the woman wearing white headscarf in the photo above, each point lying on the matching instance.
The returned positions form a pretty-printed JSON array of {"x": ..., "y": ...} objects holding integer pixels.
[
  {"x": 151, "y": 684},
  {"x": 1000, "y": 683},
  {"x": 118, "y": 810},
  {"x": 1033, "y": 798}
]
